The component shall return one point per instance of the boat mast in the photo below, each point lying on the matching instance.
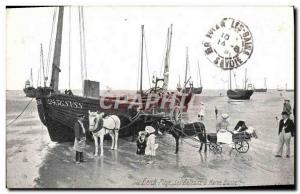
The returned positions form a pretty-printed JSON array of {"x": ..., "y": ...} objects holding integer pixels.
[
  {"x": 186, "y": 66},
  {"x": 142, "y": 47},
  {"x": 285, "y": 86},
  {"x": 42, "y": 62},
  {"x": 31, "y": 77},
  {"x": 230, "y": 79},
  {"x": 265, "y": 83},
  {"x": 167, "y": 58},
  {"x": 199, "y": 73},
  {"x": 245, "y": 78},
  {"x": 57, "y": 51}
]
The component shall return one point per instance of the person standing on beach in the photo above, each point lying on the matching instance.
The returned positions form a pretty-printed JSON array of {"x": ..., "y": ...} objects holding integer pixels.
[
  {"x": 285, "y": 132},
  {"x": 151, "y": 147},
  {"x": 287, "y": 107},
  {"x": 202, "y": 111},
  {"x": 80, "y": 139},
  {"x": 224, "y": 123},
  {"x": 141, "y": 143}
]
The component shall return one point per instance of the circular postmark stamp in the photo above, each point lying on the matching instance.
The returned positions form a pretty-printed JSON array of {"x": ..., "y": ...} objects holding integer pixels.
[{"x": 228, "y": 44}]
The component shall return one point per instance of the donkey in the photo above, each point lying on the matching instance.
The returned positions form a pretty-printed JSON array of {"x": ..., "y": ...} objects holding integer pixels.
[
  {"x": 187, "y": 130},
  {"x": 100, "y": 126}
]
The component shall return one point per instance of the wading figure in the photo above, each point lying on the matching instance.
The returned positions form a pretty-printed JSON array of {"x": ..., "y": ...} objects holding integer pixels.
[
  {"x": 189, "y": 130},
  {"x": 100, "y": 126}
]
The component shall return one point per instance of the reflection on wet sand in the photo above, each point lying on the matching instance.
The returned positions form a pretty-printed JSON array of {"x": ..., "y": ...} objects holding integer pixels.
[
  {"x": 44, "y": 164},
  {"x": 123, "y": 168}
]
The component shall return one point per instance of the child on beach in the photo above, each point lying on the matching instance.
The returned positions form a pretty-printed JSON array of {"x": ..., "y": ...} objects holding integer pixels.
[
  {"x": 80, "y": 139},
  {"x": 141, "y": 143},
  {"x": 151, "y": 145}
]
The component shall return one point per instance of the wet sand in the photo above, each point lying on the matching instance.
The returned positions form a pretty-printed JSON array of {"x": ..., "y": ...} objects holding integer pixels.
[{"x": 33, "y": 161}]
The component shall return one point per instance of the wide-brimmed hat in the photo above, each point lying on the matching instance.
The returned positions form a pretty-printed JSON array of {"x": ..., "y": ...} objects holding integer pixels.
[
  {"x": 142, "y": 133},
  {"x": 225, "y": 116},
  {"x": 149, "y": 129},
  {"x": 287, "y": 100},
  {"x": 285, "y": 113},
  {"x": 80, "y": 115},
  {"x": 202, "y": 103}
]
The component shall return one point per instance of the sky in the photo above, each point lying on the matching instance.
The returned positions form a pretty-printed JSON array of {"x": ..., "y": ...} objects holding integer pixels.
[{"x": 112, "y": 36}]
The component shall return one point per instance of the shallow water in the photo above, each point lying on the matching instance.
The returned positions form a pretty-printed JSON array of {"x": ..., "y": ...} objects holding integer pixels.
[{"x": 44, "y": 164}]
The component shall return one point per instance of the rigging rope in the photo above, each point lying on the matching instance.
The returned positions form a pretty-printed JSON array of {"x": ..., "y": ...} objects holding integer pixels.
[
  {"x": 147, "y": 62},
  {"x": 139, "y": 60},
  {"x": 50, "y": 43},
  {"x": 163, "y": 58},
  {"x": 84, "y": 48},
  {"x": 138, "y": 75},
  {"x": 81, "y": 57},
  {"x": 70, "y": 47},
  {"x": 12, "y": 121}
]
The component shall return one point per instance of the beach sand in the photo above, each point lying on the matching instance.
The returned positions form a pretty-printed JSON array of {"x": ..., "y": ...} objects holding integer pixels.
[{"x": 33, "y": 161}]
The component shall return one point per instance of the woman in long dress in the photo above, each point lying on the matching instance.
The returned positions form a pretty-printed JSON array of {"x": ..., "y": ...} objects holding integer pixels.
[{"x": 151, "y": 145}]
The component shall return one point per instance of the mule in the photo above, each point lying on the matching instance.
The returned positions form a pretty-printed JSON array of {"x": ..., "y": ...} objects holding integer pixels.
[
  {"x": 186, "y": 131},
  {"x": 100, "y": 126}
]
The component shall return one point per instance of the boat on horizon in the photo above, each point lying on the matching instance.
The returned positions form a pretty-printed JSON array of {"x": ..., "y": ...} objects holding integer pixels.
[
  {"x": 262, "y": 89},
  {"x": 187, "y": 81},
  {"x": 29, "y": 90},
  {"x": 288, "y": 90},
  {"x": 240, "y": 94}
]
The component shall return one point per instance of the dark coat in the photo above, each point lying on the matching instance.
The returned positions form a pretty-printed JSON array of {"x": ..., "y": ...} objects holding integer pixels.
[
  {"x": 78, "y": 131},
  {"x": 289, "y": 126},
  {"x": 141, "y": 146},
  {"x": 287, "y": 108}
]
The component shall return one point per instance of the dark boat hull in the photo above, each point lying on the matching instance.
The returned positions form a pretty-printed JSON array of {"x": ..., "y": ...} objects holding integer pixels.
[
  {"x": 239, "y": 94},
  {"x": 260, "y": 90},
  {"x": 30, "y": 92},
  {"x": 58, "y": 112},
  {"x": 194, "y": 90}
]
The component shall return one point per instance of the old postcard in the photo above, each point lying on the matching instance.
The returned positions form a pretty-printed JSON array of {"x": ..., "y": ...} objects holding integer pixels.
[{"x": 150, "y": 97}]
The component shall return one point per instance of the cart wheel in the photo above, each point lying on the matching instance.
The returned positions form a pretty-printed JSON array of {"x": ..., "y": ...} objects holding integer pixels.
[
  {"x": 218, "y": 149},
  {"x": 212, "y": 147},
  {"x": 242, "y": 146}
]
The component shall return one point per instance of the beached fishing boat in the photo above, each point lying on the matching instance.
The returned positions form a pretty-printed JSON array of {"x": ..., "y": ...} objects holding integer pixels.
[
  {"x": 240, "y": 94},
  {"x": 262, "y": 89},
  {"x": 58, "y": 111}
]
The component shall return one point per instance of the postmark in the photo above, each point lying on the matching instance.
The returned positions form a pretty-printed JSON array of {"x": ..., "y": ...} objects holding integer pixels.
[{"x": 228, "y": 44}]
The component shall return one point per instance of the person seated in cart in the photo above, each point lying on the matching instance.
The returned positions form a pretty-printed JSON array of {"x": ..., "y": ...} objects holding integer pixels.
[
  {"x": 224, "y": 123},
  {"x": 240, "y": 127}
]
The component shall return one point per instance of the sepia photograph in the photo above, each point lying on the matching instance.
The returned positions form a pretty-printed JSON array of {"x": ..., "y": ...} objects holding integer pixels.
[{"x": 150, "y": 97}]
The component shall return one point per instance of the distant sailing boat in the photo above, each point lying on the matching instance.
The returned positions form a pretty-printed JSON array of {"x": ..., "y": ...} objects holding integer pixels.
[
  {"x": 195, "y": 90},
  {"x": 29, "y": 90},
  {"x": 262, "y": 89},
  {"x": 288, "y": 90},
  {"x": 240, "y": 94}
]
